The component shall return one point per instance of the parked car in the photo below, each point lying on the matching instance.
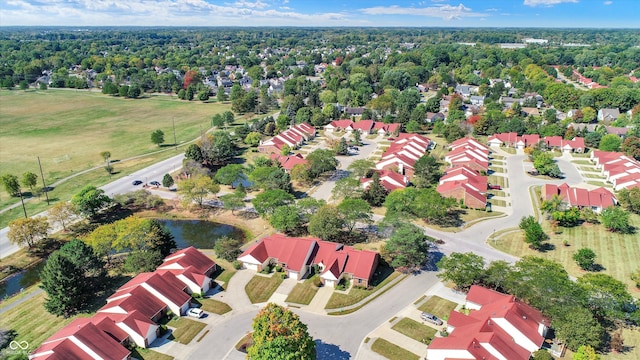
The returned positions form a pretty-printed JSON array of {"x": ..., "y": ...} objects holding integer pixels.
[
  {"x": 136, "y": 182},
  {"x": 494, "y": 187},
  {"x": 430, "y": 318},
  {"x": 195, "y": 312},
  {"x": 155, "y": 183}
]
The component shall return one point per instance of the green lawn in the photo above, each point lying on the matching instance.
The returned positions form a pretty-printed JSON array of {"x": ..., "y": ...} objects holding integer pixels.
[
  {"x": 497, "y": 202},
  {"x": 392, "y": 351},
  {"x": 303, "y": 292},
  {"x": 69, "y": 129},
  {"x": 260, "y": 288},
  {"x": 214, "y": 306},
  {"x": 148, "y": 354},
  {"x": 582, "y": 162},
  {"x": 186, "y": 329},
  {"x": 497, "y": 180},
  {"x": 509, "y": 150},
  {"x": 617, "y": 253},
  {"x": 498, "y": 193},
  {"x": 438, "y": 306},
  {"x": 497, "y": 170},
  {"x": 415, "y": 330},
  {"x": 338, "y": 300}
]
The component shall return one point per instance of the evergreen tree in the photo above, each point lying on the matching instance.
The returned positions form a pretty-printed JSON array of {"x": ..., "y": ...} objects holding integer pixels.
[{"x": 375, "y": 194}]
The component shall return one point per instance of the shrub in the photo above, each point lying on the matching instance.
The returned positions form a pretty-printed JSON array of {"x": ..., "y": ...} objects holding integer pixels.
[{"x": 236, "y": 264}]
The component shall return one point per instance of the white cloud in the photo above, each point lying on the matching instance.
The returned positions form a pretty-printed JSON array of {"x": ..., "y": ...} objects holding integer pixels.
[
  {"x": 446, "y": 12},
  {"x": 492, "y": 10},
  {"x": 158, "y": 12},
  {"x": 608, "y": 2},
  {"x": 547, "y": 2}
]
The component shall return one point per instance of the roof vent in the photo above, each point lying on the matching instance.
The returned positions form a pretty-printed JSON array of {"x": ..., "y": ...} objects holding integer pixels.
[{"x": 524, "y": 317}]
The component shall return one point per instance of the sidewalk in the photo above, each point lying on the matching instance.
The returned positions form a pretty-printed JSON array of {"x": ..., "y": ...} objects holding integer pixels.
[
  {"x": 282, "y": 292},
  {"x": 235, "y": 296}
]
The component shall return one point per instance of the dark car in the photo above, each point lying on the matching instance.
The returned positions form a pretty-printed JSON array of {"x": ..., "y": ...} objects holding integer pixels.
[
  {"x": 430, "y": 318},
  {"x": 155, "y": 183},
  {"x": 136, "y": 182}
]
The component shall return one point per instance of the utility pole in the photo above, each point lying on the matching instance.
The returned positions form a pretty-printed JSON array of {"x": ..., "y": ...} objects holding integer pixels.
[
  {"x": 44, "y": 185},
  {"x": 175, "y": 142},
  {"x": 22, "y": 201}
]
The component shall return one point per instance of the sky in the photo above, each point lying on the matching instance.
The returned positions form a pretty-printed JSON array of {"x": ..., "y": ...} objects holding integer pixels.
[{"x": 325, "y": 13}]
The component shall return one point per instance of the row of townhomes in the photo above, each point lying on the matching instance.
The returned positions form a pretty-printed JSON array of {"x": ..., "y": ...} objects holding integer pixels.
[
  {"x": 465, "y": 179},
  {"x": 497, "y": 326},
  {"x": 596, "y": 199},
  {"x": 619, "y": 169},
  {"x": 293, "y": 137},
  {"x": 514, "y": 140},
  {"x": 133, "y": 312}
]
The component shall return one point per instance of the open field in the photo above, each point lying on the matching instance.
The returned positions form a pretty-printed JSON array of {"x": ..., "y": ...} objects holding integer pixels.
[
  {"x": 260, "y": 288},
  {"x": 415, "y": 330},
  {"x": 69, "y": 129},
  {"x": 339, "y": 300},
  {"x": 438, "y": 306},
  {"x": 148, "y": 354},
  {"x": 618, "y": 254},
  {"x": 392, "y": 351},
  {"x": 215, "y": 306},
  {"x": 185, "y": 329}
]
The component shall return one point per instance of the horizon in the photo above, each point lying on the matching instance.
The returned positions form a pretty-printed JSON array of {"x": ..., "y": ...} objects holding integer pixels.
[{"x": 485, "y": 14}]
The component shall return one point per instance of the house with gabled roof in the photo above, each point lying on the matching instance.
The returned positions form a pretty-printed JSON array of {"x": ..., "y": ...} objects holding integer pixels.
[
  {"x": 465, "y": 192},
  {"x": 297, "y": 255},
  {"x": 512, "y": 139},
  {"x": 608, "y": 114},
  {"x": 288, "y": 162},
  {"x": 82, "y": 339},
  {"x": 619, "y": 169},
  {"x": 558, "y": 142},
  {"x": 390, "y": 180},
  {"x": 498, "y": 327},
  {"x": 597, "y": 199},
  {"x": 164, "y": 286},
  {"x": 293, "y": 137},
  {"x": 403, "y": 153},
  {"x": 191, "y": 267}
]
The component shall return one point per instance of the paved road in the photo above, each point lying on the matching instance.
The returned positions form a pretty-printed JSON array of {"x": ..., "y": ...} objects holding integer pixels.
[{"x": 120, "y": 186}]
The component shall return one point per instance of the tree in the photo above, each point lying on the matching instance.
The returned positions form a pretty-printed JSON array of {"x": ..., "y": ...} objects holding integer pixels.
[
  {"x": 555, "y": 203},
  {"x": 28, "y": 231},
  {"x": 615, "y": 219},
  {"x": 278, "y": 333},
  {"x": 227, "y": 248},
  {"x": 585, "y": 258},
  {"x": 631, "y": 146},
  {"x": 357, "y": 137},
  {"x": 630, "y": 199},
  {"x": 361, "y": 168},
  {"x": 267, "y": 202},
  {"x": 142, "y": 261},
  {"x": 71, "y": 277},
  {"x": 426, "y": 171},
  {"x": 407, "y": 248},
  {"x": 286, "y": 219},
  {"x": 167, "y": 180},
  {"x": 463, "y": 270},
  {"x": 217, "y": 120},
  {"x": 342, "y": 148},
  {"x": 232, "y": 202},
  {"x": 586, "y": 352},
  {"x": 29, "y": 179},
  {"x": 203, "y": 95},
  {"x": 11, "y": 184},
  {"x": 194, "y": 152},
  {"x": 157, "y": 137},
  {"x": 354, "y": 211},
  {"x": 541, "y": 355},
  {"x": 253, "y": 138},
  {"x": 497, "y": 274},
  {"x": 221, "y": 96},
  {"x": 229, "y": 174},
  {"x": 62, "y": 213},
  {"x": 90, "y": 200},
  {"x": 606, "y": 297},
  {"x": 610, "y": 142},
  {"x": 545, "y": 165},
  {"x": 270, "y": 177},
  {"x": 321, "y": 161},
  {"x": 218, "y": 149},
  {"x": 326, "y": 223},
  {"x": 197, "y": 189},
  {"x": 347, "y": 187},
  {"x": 533, "y": 233},
  {"x": 375, "y": 194}
]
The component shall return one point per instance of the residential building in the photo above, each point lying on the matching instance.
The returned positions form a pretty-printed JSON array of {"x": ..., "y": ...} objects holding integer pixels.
[
  {"x": 293, "y": 137},
  {"x": 597, "y": 199},
  {"x": 499, "y": 326},
  {"x": 619, "y": 169},
  {"x": 390, "y": 180},
  {"x": 513, "y": 140},
  {"x": 608, "y": 114},
  {"x": 288, "y": 162},
  {"x": 403, "y": 152},
  {"x": 297, "y": 256}
]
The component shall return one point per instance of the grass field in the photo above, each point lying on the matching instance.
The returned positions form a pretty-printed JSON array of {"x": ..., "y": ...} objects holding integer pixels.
[
  {"x": 215, "y": 306},
  {"x": 69, "y": 129},
  {"x": 618, "y": 254},
  {"x": 260, "y": 288},
  {"x": 148, "y": 354},
  {"x": 392, "y": 351},
  {"x": 415, "y": 330},
  {"x": 438, "y": 306},
  {"x": 338, "y": 300},
  {"x": 303, "y": 292}
]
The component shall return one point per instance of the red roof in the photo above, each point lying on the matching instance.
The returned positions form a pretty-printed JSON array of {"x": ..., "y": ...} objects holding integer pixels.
[
  {"x": 185, "y": 258},
  {"x": 138, "y": 298},
  {"x": 341, "y": 124},
  {"x": 469, "y": 190},
  {"x": 60, "y": 345},
  {"x": 288, "y": 162},
  {"x": 482, "y": 327},
  {"x": 600, "y": 197},
  {"x": 297, "y": 252},
  {"x": 363, "y": 125}
]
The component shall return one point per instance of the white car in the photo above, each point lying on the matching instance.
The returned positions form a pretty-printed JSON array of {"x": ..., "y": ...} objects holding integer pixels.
[{"x": 195, "y": 312}]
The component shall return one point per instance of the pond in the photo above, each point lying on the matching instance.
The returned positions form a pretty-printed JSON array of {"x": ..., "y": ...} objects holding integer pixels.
[
  {"x": 199, "y": 233},
  {"x": 22, "y": 280}
]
